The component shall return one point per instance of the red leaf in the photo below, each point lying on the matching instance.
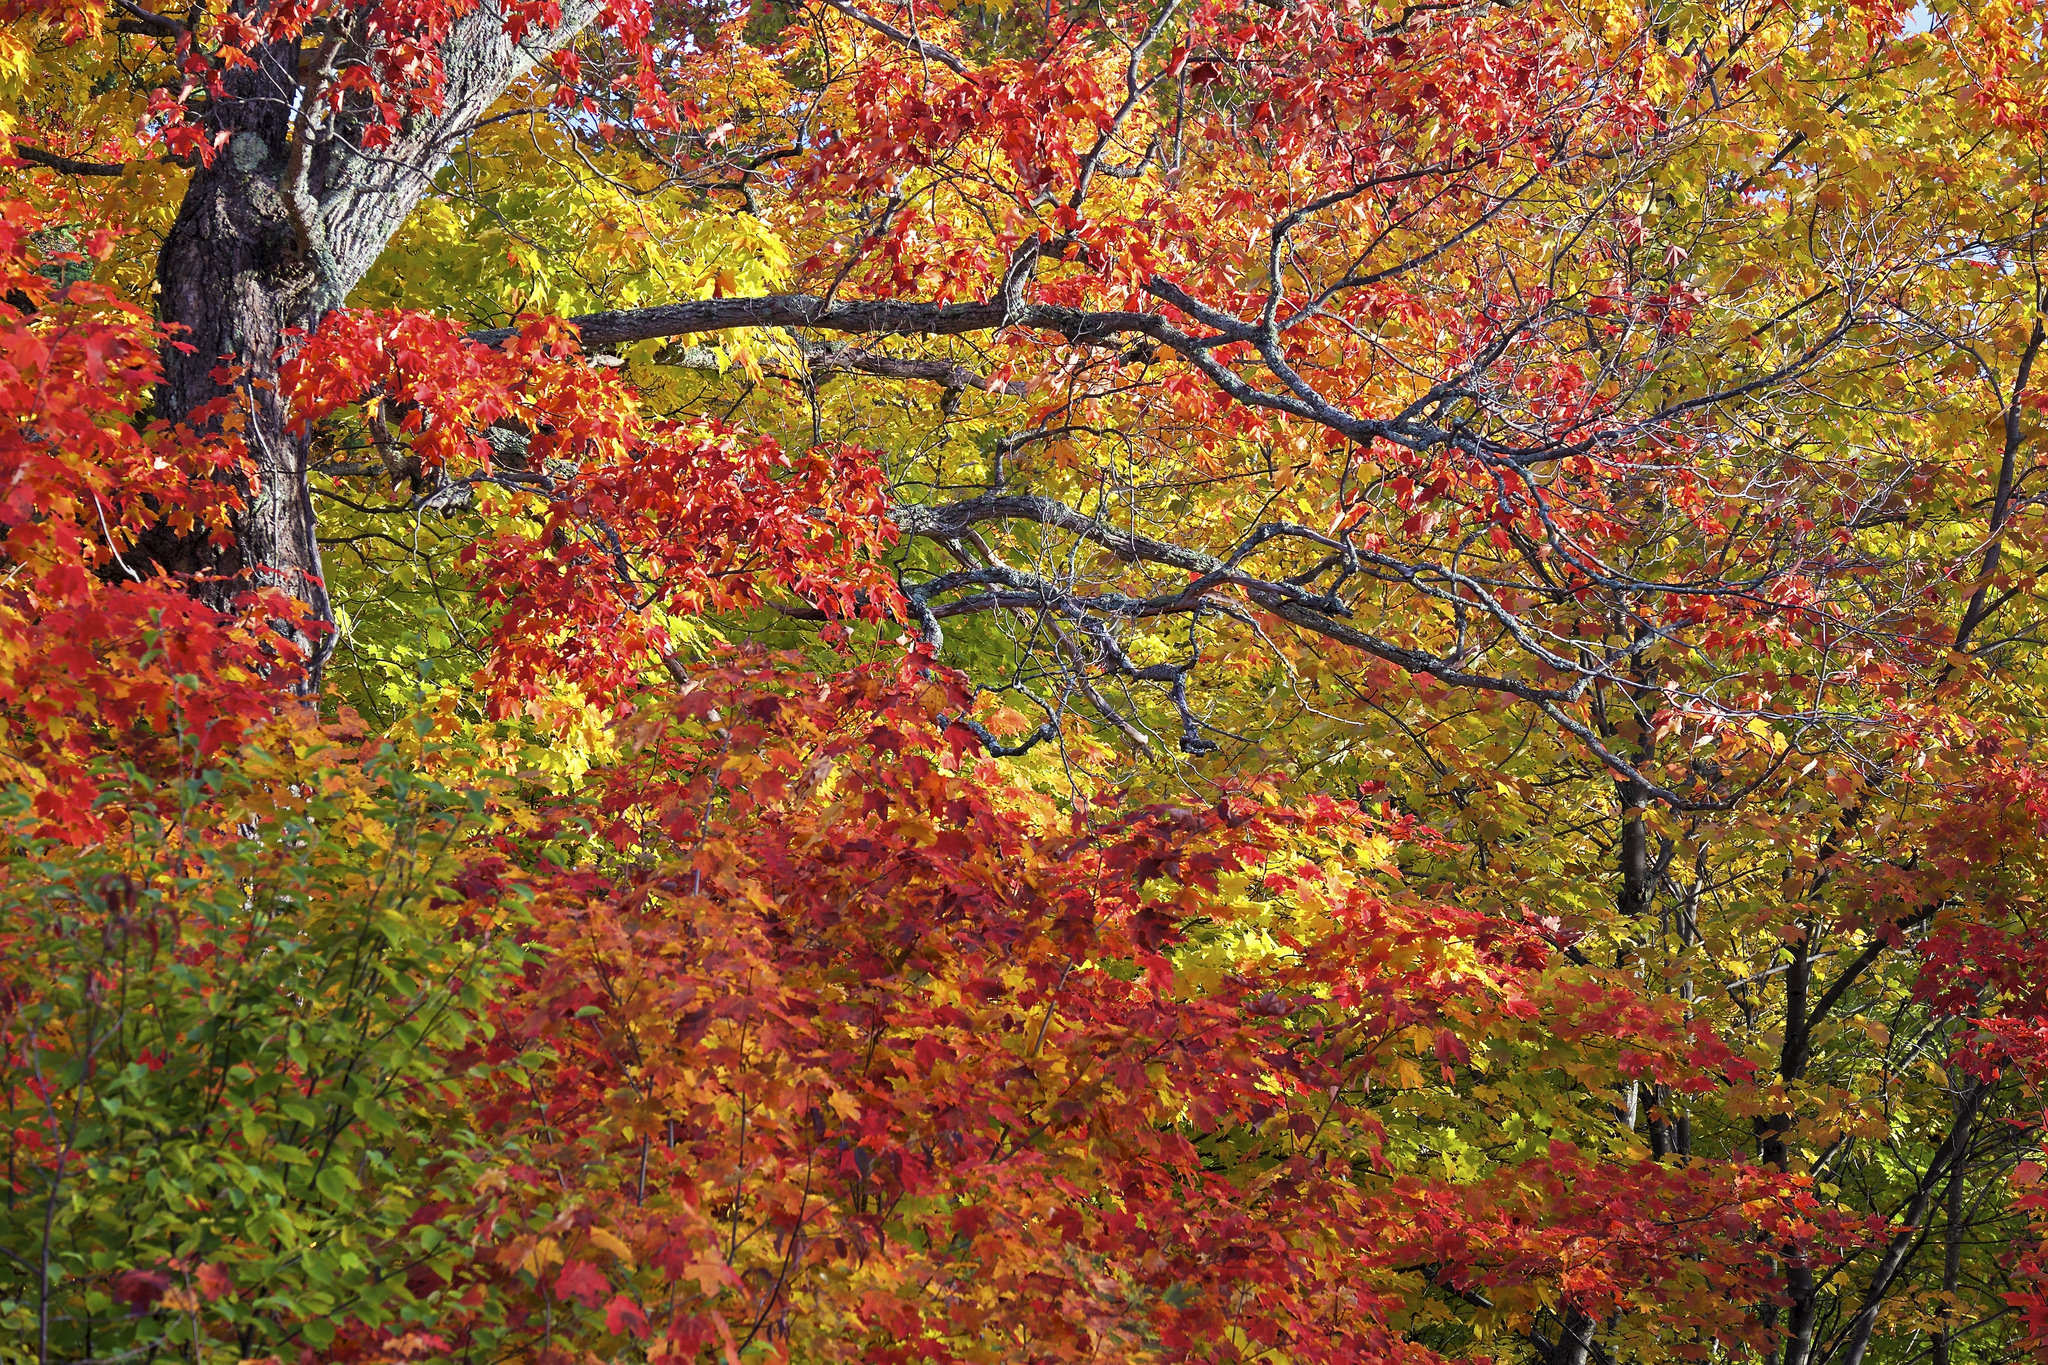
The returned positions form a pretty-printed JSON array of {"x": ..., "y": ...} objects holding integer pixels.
[
  {"x": 583, "y": 1282},
  {"x": 622, "y": 1317}
]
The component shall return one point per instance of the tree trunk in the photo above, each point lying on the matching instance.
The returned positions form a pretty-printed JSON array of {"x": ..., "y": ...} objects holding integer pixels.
[
  {"x": 233, "y": 284},
  {"x": 271, "y": 238}
]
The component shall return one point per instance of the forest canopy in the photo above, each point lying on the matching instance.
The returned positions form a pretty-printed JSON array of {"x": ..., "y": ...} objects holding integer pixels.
[{"x": 913, "y": 681}]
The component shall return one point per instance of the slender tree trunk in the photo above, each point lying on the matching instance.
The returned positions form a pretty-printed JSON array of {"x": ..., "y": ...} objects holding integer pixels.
[
  {"x": 1578, "y": 1339},
  {"x": 1950, "y": 1158},
  {"x": 1952, "y": 1258},
  {"x": 1574, "y": 1344},
  {"x": 1772, "y": 1132},
  {"x": 1634, "y": 852}
]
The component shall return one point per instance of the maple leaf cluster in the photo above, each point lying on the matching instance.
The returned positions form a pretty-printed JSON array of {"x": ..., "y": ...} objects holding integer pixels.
[
  {"x": 102, "y": 663},
  {"x": 1307, "y": 682}
]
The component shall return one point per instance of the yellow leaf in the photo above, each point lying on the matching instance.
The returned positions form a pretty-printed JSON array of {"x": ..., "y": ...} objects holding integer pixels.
[
  {"x": 546, "y": 1252},
  {"x": 606, "y": 1241},
  {"x": 711, "y": 1276}
]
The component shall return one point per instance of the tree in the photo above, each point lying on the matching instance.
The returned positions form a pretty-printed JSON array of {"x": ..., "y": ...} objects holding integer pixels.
[
  {"x": 1601, "y": 432},
  {"x": 859, "y": 1050},
  {"x": 1373, "y": 181},
  {"x": 233, "y": 962}
]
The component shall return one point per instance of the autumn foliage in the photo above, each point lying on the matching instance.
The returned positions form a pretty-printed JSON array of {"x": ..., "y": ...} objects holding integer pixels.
[
  {"x": 930, "y": 682},
  {"x": 97, "y": 653},
  {"x": 876, "y": 1055}
]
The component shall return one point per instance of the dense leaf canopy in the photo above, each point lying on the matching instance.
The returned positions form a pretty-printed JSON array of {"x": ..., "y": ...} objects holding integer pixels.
[{"x": 1212, "y": 680}]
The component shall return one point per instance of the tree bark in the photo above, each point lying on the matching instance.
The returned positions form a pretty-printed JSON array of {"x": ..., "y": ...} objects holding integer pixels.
[
  {"x": 1951, "y": 1259},
  {"x": 232, "y": 283},
  {"x": 270, "y": 238}
]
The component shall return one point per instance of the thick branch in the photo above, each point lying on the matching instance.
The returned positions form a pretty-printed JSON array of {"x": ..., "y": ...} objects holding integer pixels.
[
  {"x": 873, "y": 317},
  {"x": 1296, "y": 398},
  {"x": 64, "y": 164}
]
